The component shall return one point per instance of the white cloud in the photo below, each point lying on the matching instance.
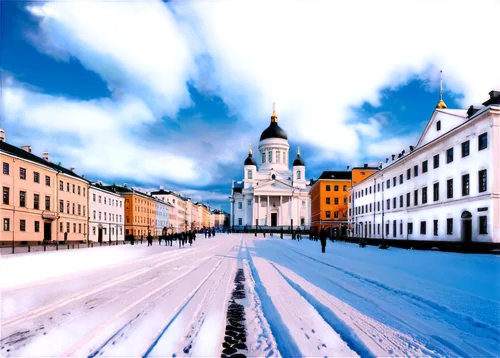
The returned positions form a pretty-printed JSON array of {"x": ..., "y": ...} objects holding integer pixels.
[
  {"x": 326, "y": 55},
  {"x": 134, "y": 46}
]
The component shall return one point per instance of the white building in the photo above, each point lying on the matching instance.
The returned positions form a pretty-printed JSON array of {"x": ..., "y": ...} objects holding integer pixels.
[
  {"x": 106, "y": 214},
  {"x": 447, "y": 188},
  {"x": 177, "y": 222},
  {"x": 162, "y": 211},
  {"x": 272, "y": 195}
]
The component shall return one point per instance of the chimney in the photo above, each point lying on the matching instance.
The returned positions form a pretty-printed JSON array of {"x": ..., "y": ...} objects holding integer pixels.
[
  {"x": 2, "y": 135},
  {"x": 72, "y": 169},
  {"x": 26, "y": 148},
  {"x": 366, "y": 166},
  {"x": 45, "y": 156},
  {"x": 494, "y": 98}
]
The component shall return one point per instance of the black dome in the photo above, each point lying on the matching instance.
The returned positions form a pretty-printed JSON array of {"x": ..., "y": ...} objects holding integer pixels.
[
  {"x": 273, "y": 131},
  {"x": 250, "y": 160},
  {"x": 298, "y": 162}
]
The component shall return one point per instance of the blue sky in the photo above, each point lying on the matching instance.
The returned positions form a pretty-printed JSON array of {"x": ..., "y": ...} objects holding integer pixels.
[{"x": 171, "y": 94}]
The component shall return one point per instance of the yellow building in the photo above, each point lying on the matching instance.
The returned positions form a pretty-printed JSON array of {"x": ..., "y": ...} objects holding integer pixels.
[{"x": 36, "y": 207}]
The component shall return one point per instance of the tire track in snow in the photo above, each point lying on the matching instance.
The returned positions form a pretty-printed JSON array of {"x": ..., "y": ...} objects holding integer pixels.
[
  {"x": 363, "y": 329},
  {"x": 431, "y": 304}
]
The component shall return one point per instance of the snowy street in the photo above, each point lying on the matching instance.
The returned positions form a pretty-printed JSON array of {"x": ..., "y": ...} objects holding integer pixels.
[{"x": 161, "y": 301}]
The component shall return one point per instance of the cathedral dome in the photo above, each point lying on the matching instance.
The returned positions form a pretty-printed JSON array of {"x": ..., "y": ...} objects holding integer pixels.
[
  {"x": 298, "y": 161},
  {"x": 274, "y": 130},
  {"x": 250, "y": 160}
]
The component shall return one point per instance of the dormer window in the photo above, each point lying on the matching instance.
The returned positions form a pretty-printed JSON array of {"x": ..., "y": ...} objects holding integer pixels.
[{"x": 438, "y": 125}]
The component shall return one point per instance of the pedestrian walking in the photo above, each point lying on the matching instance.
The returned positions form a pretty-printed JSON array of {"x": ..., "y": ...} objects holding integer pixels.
[
  {"x": 190, "y": 239},
  {"x": 150, "y": 239},
  {"x": 206, "y": 232},
  {"x": 322, "y": 237},
  {"x": 213, "y": 232}
]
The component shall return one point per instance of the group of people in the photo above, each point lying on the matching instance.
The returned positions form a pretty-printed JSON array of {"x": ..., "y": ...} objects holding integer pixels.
[
  {"x": 210, "y": 232},
  {"x": 182, "y": 238}
]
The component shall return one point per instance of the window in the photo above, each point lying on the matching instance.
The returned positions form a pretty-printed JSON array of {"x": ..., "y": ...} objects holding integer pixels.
[
  {"x": 408, "y": 176},
  {"x": 423, "y": 227},
  {"x": 483, "y": 225},
  {"x": 435, "y": 228},
  {"x": 449, "y": 226},
  {"x": 22, "y": 173},
  {"x": 401, "y": 227},
  {"x": 250, "y": 174},
  {"x": 436, "y": 191},
  {"x": 22, "y": 225},
  {"x": 483, "y": 184},
  {"x": 6, "y": 195},
  {"x": 67, "y": 187},
  {"x": 408, "y": 173},
  {"x": 79, "y": 209},
  {"x": 270, "y": 156},
  {"x": 263, "y": 157},
  {"x": 36, "y": 201},
  {"x": 67, "y": 207},
  {"x": 298, "y": 174},
  {"x": 278, "y": 156},
  {"x": 410, "y": 228},
  {"x": 61, "y": 206},
  {"x": 36, "y": 177},
  {"x": 394, "y": 181},
  {"x": 449, "y": 155},
  {"x": 378, "y": 187},
  {"x": 465, "y": 149},
  {"x": 336, "y": 201},
  {"x": 336, "y": 188},
  {"x": 93, "y": 197},
  {"x": 436, "y": 161},
  {"x": 408, "y": 195},
  {"x": 61, "y": 185},
  {"x": 424, "y": 166},
  {"x": 387, "y": 229},
  {"x": 394, "y": 203},
  {"x": 37, "y": 226},
  {"x": 84, "y": 195},
  {"x": 73, "y": 207},
  {"x": 74, "y": 228},
  {"x": 249, "y": 202},
  {"x": 328, "y": 214},
  {"x": 328, "y": 201},
  {"x": 378, "y": 229},
  {"x": 80, "y": 228},
  {"x": 47, "y": 180},
  {"x": 240, "y": 205},
  {"x": 104, "y": 200},
  {"x": 388, "y": 182},
  {"x": 449, "y": 188},
  {"x": 100, "y": 199},
  {"x": 336, "y": 214},
  {"x": 344, "y": 188},
  {"x": 47, "y": 202},
  {"x": 240, "y": 221},
  {"x": 465, "y": 184},
  {"x": 22, "y": 199},
  {"x": 6, "y": 224},
  {"x": 328, "y": 188},
  {"x": 67, "y": 227},
  {"x": 424, "y": 195},
  {"x": 415, "y": 171},
  {"x": 6, "y": 168},
  {"x": 401, "y": 201},
  {"x": 79, "y": 190},
  {"x": 388, "y": 204},
  {"x": 378, "y": 206},
  {"x": 73, "y": 188},
  {"x": 482, "y": 141},
  {"x": 438, "y": 125},
  {"x": 415, "y": 198},
  {"x": 394, "y": 228},
  {"x": 93, "y": 230}
]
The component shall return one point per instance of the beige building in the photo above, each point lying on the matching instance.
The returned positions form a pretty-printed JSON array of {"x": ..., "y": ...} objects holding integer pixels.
[{"x": 41, "y": 201}]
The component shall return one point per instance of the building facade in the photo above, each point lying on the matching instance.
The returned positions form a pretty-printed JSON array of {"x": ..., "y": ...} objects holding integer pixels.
[
  {"x": 272, "y": 195},
  {"x": 178, "y": 220},
  {"x": 446, "y": 188},
  {"x": 41, "y": 201},
  {"x": 161, "y": 222},
  {"x": 106, "y": 214}
]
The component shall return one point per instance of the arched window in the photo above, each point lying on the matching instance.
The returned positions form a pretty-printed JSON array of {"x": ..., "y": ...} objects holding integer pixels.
[{"x": 278, "y": 156}]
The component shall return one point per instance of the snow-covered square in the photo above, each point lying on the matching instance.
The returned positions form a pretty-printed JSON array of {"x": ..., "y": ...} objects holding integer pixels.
[{"x": 238, "y": 294}]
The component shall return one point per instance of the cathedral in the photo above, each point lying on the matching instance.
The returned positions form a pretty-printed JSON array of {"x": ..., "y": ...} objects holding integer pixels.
[{"x": 271, "y": 195}]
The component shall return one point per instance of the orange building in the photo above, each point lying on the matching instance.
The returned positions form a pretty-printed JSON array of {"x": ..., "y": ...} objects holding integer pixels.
[
  {"x": 140, "y": 211},
  {"x": 329, "y": 198}
]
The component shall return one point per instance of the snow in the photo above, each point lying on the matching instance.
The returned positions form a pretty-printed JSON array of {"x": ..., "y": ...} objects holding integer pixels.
[{"x": 161, "y": 301}]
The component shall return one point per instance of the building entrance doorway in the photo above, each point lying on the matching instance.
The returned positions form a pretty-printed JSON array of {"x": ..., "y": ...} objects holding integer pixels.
[
  {"x": 466, "y": 227},
  {"x": 274, "y": 219},
  {"x": 47, "y": 231},
  {"x": 99, "y": 235}
]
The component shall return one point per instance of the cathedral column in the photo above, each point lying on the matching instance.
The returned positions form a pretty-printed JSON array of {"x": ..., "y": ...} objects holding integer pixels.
[
  {"x": 268, "y": 218},
  {"x": 290, "y": 209}
]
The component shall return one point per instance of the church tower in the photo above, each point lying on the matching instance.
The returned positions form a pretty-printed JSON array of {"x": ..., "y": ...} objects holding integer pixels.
[
  {"x": 273, "y": 147},
  {"x": 299, "y": 171},
  {"x": 250, "y": 168}
]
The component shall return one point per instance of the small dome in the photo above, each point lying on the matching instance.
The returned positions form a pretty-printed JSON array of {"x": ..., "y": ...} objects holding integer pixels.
[
  {"x": 273, "y": 131},
  {"x": 298, "y": 162},
  {"x": 250, "y": 160}
]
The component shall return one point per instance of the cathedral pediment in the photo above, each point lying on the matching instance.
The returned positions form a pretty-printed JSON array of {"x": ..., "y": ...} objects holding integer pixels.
[{"x": 273, "y": 185}]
